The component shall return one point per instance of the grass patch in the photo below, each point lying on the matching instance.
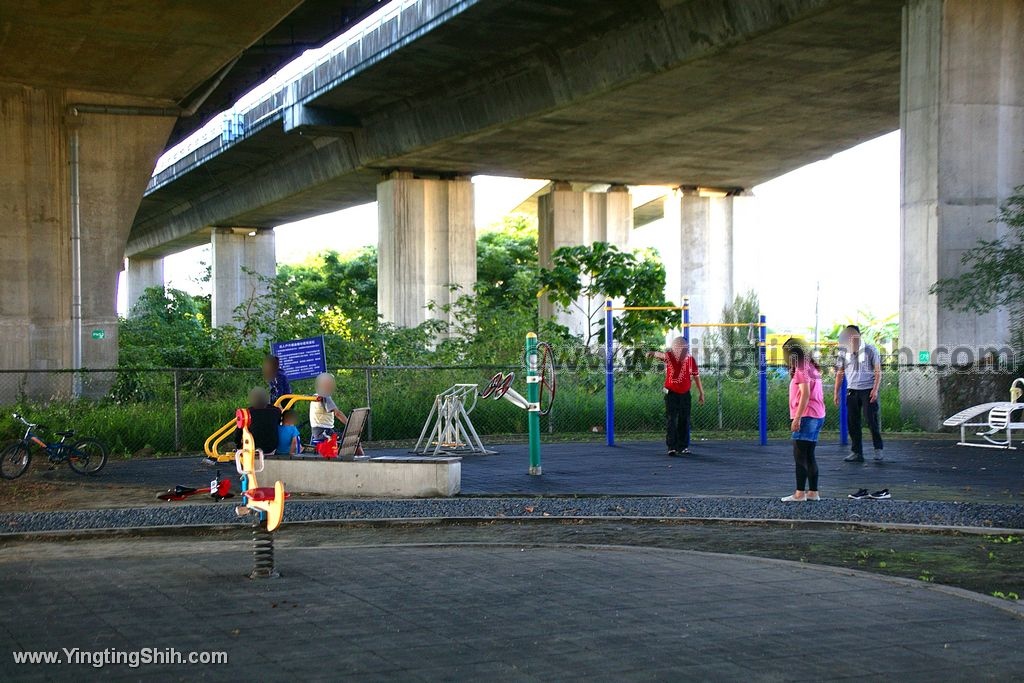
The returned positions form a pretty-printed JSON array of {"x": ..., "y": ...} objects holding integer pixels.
[{"x": 138, "y": 415}]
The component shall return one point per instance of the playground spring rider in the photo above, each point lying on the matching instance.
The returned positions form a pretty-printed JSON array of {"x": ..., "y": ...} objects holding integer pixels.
[
  {"x": 264, "y": 502},
  {"x": 541, "y": 385}
]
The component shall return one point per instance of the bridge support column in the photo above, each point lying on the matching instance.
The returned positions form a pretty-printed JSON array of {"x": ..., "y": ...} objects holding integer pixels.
[
  {"x": 427, "y": 246},
  {"x": 241, "y": 257},
  {"x": 569, "y": 218},
  {"x": 116, "y": 155},
  {"x": 962, "y": 120},
  {"x": 700, "y": 264},
  {"x": 143, "y": 273}
]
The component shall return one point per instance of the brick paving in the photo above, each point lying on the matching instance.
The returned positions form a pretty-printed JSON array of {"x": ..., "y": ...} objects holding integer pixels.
[{"x": 470, "y": 612}]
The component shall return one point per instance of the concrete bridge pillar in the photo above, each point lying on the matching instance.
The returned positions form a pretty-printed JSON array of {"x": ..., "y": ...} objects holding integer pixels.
[
  {"x": 700, "y": 264},
  {"x": 427, "y": 246},
  {"x": 143, "y": 273},
  {"x": 568, "y": 218},
  {"x": 242, "y": 257},
  {"x": 962, "y": 120},
  {"x": 115, "y": 157}
]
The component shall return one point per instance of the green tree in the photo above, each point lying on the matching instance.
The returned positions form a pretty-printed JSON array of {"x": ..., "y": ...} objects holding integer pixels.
[
  {"x": 993, "y": 274},
  {"x": 582, "y": 277},
  {"x": 164, "y": 330},
  {"x": 168, "y": 329},
  {"x": 508, "y": 273},
  {"x": 331, "y": 281},
  {"x": 335, "y": 296},
  {"x": 874, "y": 329},
  {"x": 744, "y": 308}
]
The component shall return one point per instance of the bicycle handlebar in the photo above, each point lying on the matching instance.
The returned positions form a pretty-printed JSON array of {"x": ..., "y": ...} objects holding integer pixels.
[{"x": 23, "y": 421}]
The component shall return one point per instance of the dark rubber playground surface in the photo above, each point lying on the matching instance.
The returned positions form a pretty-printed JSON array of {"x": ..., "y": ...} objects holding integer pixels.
[
  {"x": 913, "y": 470},
  {"x": 933, "y": 483}
]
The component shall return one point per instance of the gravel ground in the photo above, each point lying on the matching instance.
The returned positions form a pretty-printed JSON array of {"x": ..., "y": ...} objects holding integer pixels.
[{"x": 888, "y": 512}]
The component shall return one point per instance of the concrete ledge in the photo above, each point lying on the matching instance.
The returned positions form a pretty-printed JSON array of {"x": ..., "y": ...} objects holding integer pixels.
[{"x": 380, "y": 477}]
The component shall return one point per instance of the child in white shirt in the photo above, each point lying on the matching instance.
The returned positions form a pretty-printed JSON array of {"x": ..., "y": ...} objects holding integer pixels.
[{"x": 323, "y": 411}]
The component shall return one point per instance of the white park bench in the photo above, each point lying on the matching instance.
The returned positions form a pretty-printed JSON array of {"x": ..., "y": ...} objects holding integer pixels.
[{"x": 997, "y": 424}]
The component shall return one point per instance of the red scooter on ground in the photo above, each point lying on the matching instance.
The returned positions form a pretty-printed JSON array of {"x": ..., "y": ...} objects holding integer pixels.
[{"x": 219, "y": 489}]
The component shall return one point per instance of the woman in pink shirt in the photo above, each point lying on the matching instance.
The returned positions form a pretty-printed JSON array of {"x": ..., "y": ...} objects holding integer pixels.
[{"x": 807, "y": 411}]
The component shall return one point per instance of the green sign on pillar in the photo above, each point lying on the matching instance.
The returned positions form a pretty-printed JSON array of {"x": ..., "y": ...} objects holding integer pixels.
[
  {"x": 99, "y": 334},
  {"x": 924, "y": 357}
]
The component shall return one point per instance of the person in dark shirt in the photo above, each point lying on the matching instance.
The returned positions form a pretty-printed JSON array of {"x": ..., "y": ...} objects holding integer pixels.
[
  {"x": 265, "y": 421},
  {"x": 276, "y": 380}
]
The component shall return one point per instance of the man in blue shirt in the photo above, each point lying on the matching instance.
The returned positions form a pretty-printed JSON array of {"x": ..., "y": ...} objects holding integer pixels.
[
  {"x": 861, "y": 365},
  {"x": 276, "y": 380}
]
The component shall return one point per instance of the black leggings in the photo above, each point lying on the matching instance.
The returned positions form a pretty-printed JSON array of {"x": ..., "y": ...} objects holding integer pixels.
[
  {"x": 806, "y": 465},
  {"x": 677, "y": 418}
]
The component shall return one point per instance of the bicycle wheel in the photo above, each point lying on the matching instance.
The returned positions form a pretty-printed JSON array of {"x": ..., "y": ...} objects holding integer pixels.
[
  {"x": 87, "y": 456},
  {"x": 14, "y": 460}
]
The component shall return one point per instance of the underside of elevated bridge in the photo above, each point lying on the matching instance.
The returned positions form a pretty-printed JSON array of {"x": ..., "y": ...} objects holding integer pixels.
[{"x": 724, "y": 93}]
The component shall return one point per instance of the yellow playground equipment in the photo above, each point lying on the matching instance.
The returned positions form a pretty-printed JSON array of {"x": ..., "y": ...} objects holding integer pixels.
[
  {"x": 212, "y": 446},
  {"x": 264, "y": 503},
  {"x": 265, "y": 500}
]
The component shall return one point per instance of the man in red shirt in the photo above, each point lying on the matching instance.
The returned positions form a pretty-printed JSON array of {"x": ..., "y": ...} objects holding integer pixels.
[{"x": 680, "y": 371}]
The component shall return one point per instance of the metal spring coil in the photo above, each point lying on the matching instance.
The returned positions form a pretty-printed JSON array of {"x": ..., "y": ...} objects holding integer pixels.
[{"x": 262, "y": 552}]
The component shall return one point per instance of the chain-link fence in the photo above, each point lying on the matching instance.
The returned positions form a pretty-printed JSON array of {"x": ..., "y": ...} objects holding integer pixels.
[{"x": 174, "y": 410}]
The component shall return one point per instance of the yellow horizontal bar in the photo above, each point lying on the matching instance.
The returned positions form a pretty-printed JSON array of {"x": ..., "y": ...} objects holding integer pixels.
[
  {"x": 648, "y": 308},
  {"x": 288, "y": 400},
  {"x": 779, "y": 345}
]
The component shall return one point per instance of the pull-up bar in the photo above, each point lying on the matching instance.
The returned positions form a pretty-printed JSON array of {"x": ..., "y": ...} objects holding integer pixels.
[
  {"x": 609, "y": 376},
  {"x": 679, "y": 308},
  {"x": 648, "y": 308}
]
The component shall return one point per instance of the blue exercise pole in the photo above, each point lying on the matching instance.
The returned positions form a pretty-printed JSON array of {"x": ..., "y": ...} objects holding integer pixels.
[
  {"x": 844, "y": 431},
  {"x": 762, "y": 377},
  {"x": 686, "y": 320},
  {"x": 609, "y": 374}
]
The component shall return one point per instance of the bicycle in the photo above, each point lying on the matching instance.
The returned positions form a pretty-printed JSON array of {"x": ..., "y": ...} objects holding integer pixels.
[{"x": 84, "y": 456}]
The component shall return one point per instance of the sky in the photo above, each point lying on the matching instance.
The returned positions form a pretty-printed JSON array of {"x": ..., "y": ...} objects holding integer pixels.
[{"x": 840, "y": 217}]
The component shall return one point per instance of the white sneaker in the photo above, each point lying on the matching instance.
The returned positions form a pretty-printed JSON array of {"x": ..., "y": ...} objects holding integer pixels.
[
  {"x": 792, "y": 499},
  {"x": 878, "y": 455}
]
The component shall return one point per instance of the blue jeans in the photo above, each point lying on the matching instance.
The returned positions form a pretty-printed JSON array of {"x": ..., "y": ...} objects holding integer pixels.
[{"x": 810, "y": 427}]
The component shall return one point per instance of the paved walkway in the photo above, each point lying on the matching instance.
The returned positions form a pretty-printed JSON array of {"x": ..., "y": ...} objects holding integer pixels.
[
  {"x": 913, "y": 470},
  {"x": 469, "y": 613}
]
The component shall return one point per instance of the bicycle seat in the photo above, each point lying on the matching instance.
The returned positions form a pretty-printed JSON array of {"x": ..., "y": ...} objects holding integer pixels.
[{"x": 70, "y": 432}]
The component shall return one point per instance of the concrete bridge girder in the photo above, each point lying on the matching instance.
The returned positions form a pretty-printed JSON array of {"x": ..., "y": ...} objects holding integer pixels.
[{"x": 640, "y": 93}]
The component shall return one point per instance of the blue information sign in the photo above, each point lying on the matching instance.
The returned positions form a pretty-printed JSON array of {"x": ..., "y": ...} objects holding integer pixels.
[{"x": 301, "y": 358}]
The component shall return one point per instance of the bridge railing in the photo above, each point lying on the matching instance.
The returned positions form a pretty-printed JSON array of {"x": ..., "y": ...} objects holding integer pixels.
[{"x": 302, "y": 78}]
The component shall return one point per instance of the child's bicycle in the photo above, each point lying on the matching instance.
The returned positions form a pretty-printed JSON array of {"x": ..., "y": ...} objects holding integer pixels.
[{"x": 85, "y": 456}]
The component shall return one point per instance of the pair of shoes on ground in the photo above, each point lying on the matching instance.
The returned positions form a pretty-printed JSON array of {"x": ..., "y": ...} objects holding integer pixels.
[
  {"x": 857, "y": 457},
  {"x": 861, "y": 494},
  {"x": 794, "y": 499},
  {"x": 681, "y": 451}
]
